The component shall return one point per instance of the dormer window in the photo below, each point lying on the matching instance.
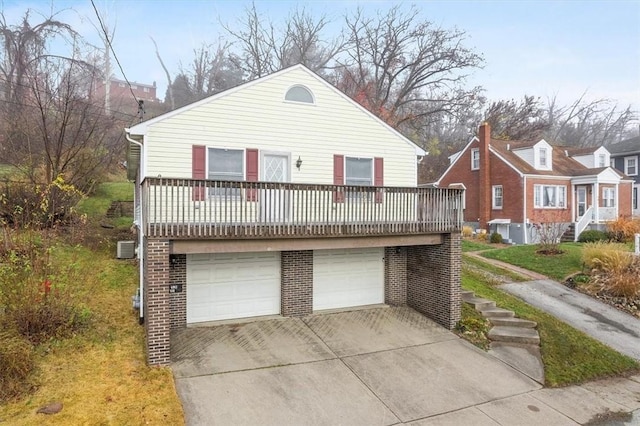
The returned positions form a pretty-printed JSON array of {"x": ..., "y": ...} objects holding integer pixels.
[
  {"x": 543, "y": 157},
  {"x": 602, "y": 160},
  {"x": 299, "y": 94}
]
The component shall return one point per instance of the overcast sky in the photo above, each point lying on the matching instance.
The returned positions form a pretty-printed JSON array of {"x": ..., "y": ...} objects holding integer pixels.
[{"x": 542, "y": 48}]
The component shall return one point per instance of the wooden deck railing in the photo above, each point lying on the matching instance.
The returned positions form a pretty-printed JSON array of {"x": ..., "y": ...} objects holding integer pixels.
[{"x": 189, "y": 208}]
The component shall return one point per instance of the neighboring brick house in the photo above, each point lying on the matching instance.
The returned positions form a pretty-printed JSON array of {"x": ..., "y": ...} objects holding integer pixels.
[
  {"x": 510, "y": 186},
  {"x": 625, "y": 156},
  {"x": 282, "y": 196},
  {"x": 120, "y": 90}
]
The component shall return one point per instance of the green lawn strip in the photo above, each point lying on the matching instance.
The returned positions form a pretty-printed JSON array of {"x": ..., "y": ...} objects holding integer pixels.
[
  {"x": 98, "y": 204},
  {"x": 557, "y": 267},
  {"x": 569, "y": 356},
  {"x": 468, "y": 245},
  {"x": 492, "y": 269}
]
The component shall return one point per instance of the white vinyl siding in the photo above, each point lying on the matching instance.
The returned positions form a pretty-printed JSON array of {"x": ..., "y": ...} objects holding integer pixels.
[
  {"x": 256, "y": 116},
  {"x": 549, "y": 196}
]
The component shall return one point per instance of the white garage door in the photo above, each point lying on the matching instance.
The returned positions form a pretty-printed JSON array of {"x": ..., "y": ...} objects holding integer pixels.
[
  {"x": 232, "y": 285},
  {"x": 349, "y": 277}
]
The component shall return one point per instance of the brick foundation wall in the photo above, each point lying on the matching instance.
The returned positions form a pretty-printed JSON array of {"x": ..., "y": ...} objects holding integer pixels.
[
  {"x": 433, "y": 280},
  {"x": 296, "y": 275},
  {"x": 178, "y": 301},
  {"x": 395, "y": 276},
  {"x": 156, "y": 301}
]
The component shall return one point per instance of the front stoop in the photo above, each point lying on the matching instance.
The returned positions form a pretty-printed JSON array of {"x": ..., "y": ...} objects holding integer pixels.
[{"x": 515, "y": 341}]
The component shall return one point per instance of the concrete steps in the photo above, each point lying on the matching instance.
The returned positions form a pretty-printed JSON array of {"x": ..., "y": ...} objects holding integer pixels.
[
  {"x": 507, "y": 334},
  {"x": 513, "y": 340}
]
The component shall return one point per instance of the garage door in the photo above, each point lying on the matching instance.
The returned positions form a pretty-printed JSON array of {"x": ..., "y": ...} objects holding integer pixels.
[
  {"x": 349, "y": 277},
  {"x": 232, "y": 285}
]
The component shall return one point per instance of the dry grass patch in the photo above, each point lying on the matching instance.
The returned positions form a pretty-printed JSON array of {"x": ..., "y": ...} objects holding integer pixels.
[{"x": 100, "y": 375}]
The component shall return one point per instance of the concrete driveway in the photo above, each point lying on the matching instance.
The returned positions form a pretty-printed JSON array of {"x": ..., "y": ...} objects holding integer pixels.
[{"x": 378, "y": 366}]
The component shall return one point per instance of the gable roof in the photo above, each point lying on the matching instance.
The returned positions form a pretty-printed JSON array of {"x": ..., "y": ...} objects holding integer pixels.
[
  {"x": 562, "y": 165},
  {"x": 628, "y": 146},
  {"x": 141, "y": 128}
]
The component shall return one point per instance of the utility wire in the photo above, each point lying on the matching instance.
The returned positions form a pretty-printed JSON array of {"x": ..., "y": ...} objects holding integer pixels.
[{"x": 106, "y": 37}]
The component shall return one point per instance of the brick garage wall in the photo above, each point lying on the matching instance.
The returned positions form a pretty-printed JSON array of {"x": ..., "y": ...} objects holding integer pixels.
[
  {"x": 296, "y": 291},
  {"x": 178, "y": 301},
  {"x": 395, "y": 276},
  {"x": 433, "y": 280},
  {"x": 156, "y": 301}
]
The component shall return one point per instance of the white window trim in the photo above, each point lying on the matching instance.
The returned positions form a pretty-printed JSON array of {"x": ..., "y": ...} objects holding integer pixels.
[
  {"x": 354, "y": 157},
  {"x": 626, "y": 165},
  {"x": 494, "y": 205},
  {"x": 211, "y": 192},
  {"x": 540, "y": 187},
  {"x": 602, "y": 160},
  {"x": 473, "y": 151},
  {"x": 608, "y": 194},
  {"x": 289, "y": 101},
  {"x": 540, "y": 157}
]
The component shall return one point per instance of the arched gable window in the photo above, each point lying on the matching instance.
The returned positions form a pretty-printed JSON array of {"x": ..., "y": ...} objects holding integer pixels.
[{"x": 299, "y": 94}]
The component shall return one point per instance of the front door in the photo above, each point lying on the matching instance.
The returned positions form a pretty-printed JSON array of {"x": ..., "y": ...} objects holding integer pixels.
[
  {"x": 581, "y": 201},
  {"x": 274, "y": 205}
]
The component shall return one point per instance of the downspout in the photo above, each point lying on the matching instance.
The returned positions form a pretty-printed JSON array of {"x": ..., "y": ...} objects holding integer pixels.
[
  {"x": 525, "y": 224},
  {"x": 140, "y": 233}
]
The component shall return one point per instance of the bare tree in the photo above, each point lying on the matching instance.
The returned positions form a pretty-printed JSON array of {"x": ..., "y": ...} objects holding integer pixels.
[
  {"x": 52, "y": 124},
  {"x": 264, "y": 48},
  {"x": 511, "y": 120},
  {"x": 166, "y": 71},
  {"x": 405, "y": 69},
  {"x": 588, "y": 123}
]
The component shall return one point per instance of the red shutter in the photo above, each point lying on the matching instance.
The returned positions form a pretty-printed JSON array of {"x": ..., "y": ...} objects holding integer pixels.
[
  {"x": 378, "y": 177},
  {"x": 252, "y": 173},
  {"x": 338, "y": 177},
  {"x": 198, "y": 170}
]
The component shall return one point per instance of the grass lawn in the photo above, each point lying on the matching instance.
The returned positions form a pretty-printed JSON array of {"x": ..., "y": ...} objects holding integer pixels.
[
  {"x": 569, "y": 356},
  {"x": 470, "y": 245},
  {"x": 557, "y": 267},
  {"x": 100, "y": 374},
  {"x": 96, "y": 205}
]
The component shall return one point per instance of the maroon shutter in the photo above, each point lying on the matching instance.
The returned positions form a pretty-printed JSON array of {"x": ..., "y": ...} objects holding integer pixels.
[
  {"x": 198, "y": 170},
  {"x": 252, "y": 173},
  {"x": 378, "y": 177},
  {"x": 338, "y": 177}
]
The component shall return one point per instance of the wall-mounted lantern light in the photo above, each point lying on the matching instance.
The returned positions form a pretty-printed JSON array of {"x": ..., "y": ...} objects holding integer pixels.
[{"x": 298, "y": 162}]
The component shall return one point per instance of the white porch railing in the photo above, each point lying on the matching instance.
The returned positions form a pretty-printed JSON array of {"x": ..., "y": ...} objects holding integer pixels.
[
  {"x": 584, "y": 221},
  {"x": 188, "y": 208}
]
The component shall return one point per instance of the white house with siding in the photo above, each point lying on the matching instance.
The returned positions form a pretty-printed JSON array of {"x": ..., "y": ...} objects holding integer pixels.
[{"x": 283, "y": 196}]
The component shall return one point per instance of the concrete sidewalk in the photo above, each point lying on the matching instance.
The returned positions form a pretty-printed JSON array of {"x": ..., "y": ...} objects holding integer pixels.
[
  {"x": 603, "y": 322},
  {"x": 599, "y": 320}
]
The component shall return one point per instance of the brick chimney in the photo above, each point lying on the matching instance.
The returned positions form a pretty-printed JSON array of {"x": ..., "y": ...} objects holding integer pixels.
[{"x": 484, "y": 184}]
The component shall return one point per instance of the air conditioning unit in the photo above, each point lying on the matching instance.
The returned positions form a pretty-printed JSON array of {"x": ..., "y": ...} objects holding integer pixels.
[{"x": 126, "y": 250}]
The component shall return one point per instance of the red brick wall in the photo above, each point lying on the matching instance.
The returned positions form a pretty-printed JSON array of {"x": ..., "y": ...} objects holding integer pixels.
[
  {"x": 512, "y": 191},
  {"x": 156, "y": 301},
  {"x": 395, "y": 276},
  {"x": 433, "y": 280},
  {"x": 541, "y": 215},
  {"x": 461, "y": 173},
  {"x": 624, "y": 199},
  {"x": 296, "y": 275},
  {"x": 178, "y": 300}
]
